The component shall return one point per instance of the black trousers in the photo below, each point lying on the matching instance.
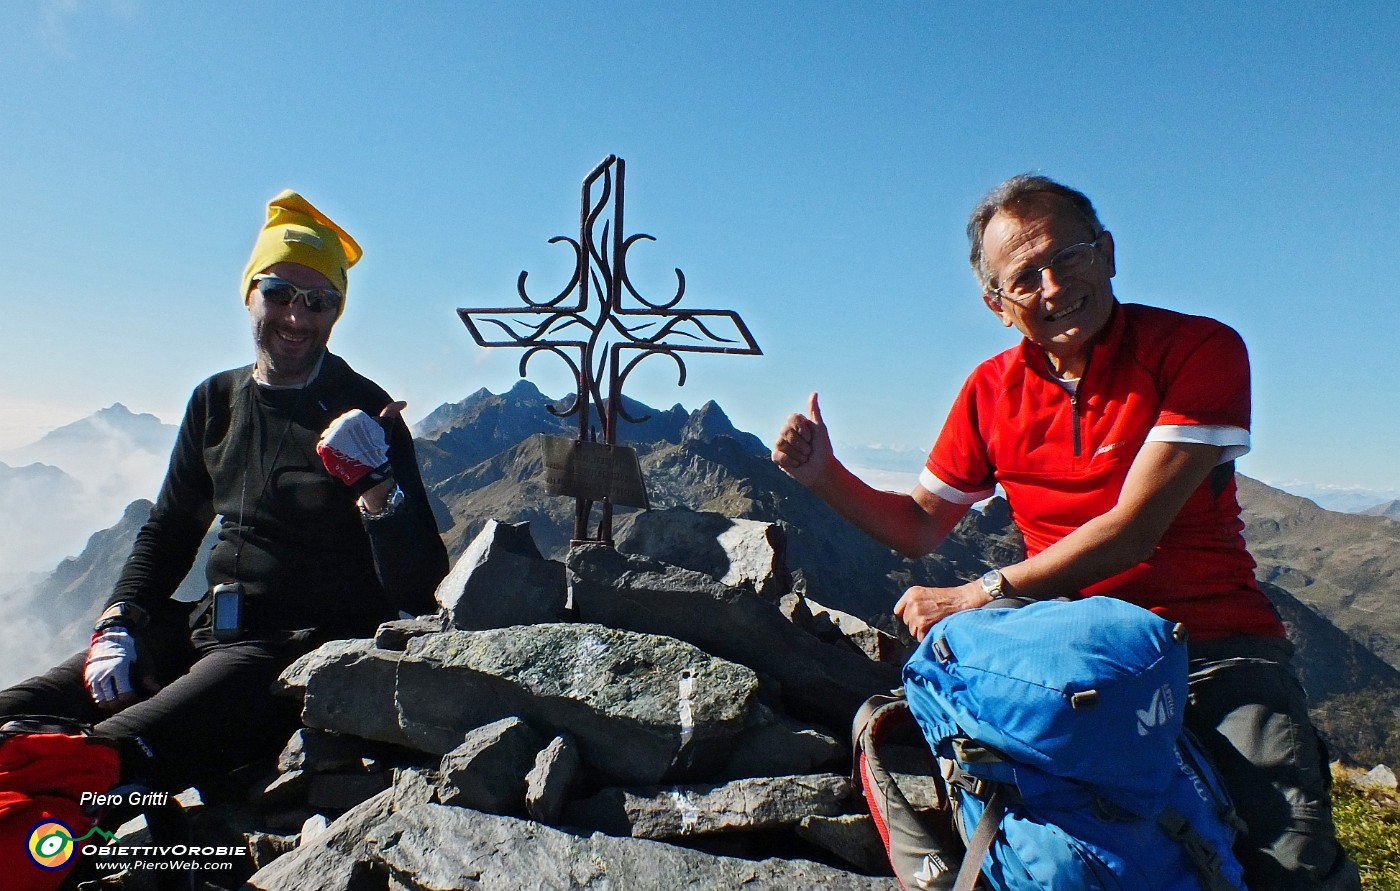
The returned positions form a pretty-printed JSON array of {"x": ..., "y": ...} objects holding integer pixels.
[
  {"x": 1251, "y": 715},
  {"x": 216, "y": 714}
]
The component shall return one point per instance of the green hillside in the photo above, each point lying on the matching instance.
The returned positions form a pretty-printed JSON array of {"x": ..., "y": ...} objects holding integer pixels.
[{"x": 1368, "y": 823}]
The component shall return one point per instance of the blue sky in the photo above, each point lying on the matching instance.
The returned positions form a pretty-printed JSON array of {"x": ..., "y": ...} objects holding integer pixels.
[{"x": 810, "y": 165}]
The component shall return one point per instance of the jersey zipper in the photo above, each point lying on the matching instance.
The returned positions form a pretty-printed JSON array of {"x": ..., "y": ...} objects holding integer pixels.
[
  {"x": 1074, "y": 415},
  {"x": 1075, "y": 419},
  {"x": 1073, "y": 394}
]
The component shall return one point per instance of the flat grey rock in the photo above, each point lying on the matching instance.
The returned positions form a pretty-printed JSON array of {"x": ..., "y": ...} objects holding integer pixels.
[
  {"x": 413, "y": 786},
  {"x": 294, "y": 678},
  {"x": 735, "y": 552},
  {"x": 852, "y": 837},
  {"x": 775, "y": 745},
  {"x": 396, "y": 634},
  {"x": 741, "y": 805},
  {"x": 320, "y": 751},
  {"x": 642, "y": 708},
  {"x": 821, "y": 681},
  {"x": 438, "y": 848},
  {"x": 351, "y": 690}
]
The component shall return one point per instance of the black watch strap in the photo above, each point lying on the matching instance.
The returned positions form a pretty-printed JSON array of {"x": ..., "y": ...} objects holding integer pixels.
[
  {"x": 373, "y": 478},
  {"x": 123, "y": 614}
]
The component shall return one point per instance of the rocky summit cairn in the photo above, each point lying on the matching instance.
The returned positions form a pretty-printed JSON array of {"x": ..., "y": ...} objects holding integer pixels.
[{"x": 614, "y": 721}]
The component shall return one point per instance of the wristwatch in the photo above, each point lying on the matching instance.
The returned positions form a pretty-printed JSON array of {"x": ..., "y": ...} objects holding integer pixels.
[
  {"x": 993, "y": 584},
  {"x": 391, "y": 503},
  {"x": 122, "y": 614}
]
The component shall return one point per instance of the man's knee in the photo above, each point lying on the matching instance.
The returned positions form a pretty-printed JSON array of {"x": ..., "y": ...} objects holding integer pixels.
[{"x": 217, "y": 716}]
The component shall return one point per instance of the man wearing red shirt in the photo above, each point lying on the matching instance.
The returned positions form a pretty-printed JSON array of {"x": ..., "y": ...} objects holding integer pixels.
[{"x": 1113, "y": 430}]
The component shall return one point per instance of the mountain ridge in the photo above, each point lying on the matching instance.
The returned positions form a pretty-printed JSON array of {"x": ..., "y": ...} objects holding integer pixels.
[
  {"x": 481, "y": 460},
  {"x": 1388, "y": 509},
  {"x": 143, "y": 430},
  {"x": 1346, "y": 566}
]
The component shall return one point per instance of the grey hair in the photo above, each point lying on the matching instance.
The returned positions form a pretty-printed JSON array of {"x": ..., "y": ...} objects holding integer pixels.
[{"x": 1017, "y": 194}]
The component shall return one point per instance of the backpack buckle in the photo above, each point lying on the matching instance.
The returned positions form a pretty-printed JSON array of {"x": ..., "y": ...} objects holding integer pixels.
[
  {"x": 941, "y": 651},
  {"x": 972, "y": 785},
  {"x": 970, "y": 751}
]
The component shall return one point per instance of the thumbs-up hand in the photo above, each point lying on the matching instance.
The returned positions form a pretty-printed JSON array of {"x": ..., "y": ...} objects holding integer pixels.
[
  {"x": 803, "y": 448},
  {"x": 355, "y": 448}
]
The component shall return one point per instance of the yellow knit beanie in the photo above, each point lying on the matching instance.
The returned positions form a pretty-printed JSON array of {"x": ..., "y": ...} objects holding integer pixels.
[{"x": 296, "y": 232}]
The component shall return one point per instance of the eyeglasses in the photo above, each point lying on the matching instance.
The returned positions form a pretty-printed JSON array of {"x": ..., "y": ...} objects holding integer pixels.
[
  {"x": 1028, "y": 283},
  {"x": 284, "y": 293}
]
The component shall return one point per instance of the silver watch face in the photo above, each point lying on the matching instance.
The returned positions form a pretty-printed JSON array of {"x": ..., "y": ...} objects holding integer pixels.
[
  {"x": 391, "y": 503},
  {"x": 991, "y": 583}
]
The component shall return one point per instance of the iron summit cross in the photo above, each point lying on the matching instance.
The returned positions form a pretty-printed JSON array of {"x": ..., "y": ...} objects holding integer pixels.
[{"x": 609, "y": 339}]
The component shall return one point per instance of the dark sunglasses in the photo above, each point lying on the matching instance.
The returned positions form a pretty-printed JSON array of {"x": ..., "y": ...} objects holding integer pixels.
[{"x": 284, "y": 293}]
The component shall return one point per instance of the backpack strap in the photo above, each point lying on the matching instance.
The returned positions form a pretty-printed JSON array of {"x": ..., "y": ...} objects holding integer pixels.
[
  {"x": 990, "y": 792},
  {"x": 23, "y": 725},
  {"x": 863, "y": 723},
  {"x": 920, "y": 858},
  {"x": 981, "y": 843},
  {"x": 1199, "y": 851}
]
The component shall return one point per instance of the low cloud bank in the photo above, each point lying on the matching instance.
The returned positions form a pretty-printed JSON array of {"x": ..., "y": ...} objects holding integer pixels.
[{"x": 56, "y": 492}]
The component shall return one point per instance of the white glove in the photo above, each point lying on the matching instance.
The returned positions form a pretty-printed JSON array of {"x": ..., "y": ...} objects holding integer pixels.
[
  {"x": 355, "y": 450},
  {"x": 108, "y": 668}
]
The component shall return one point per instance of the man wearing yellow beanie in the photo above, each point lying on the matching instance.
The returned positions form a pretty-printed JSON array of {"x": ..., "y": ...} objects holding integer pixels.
[
  {"x": 296, "y": 232},
  {"x": 298, "y": 248},
  {"x": 324, "y": 532}
]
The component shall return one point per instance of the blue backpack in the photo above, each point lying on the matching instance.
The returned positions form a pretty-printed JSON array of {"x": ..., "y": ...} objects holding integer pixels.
[{"x": 1059, "y": 729}]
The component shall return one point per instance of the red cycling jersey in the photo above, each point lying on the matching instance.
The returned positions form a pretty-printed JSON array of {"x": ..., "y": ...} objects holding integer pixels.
[{"x": 1061, "y": 453}]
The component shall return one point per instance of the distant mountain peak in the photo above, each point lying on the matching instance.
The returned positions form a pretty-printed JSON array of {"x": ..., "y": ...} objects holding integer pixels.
[
  {"x": 115, "y": 428},
  {"x": 37, "y": 472},
  {"x": 1389, "y": 509},
  {"x": 707, "y": 422},
  {"x": 524, "y": 389},
  {"x": 114, "y": 417}
]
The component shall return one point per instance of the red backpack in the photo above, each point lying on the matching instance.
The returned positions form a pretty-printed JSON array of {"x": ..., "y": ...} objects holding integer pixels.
[{"x": 45, "y": 766}]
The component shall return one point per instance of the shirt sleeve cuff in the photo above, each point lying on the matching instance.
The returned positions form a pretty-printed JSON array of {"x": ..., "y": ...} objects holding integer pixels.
[
  {"x": 1233, "y": 441},
  {"x": 948, "y": 493}
]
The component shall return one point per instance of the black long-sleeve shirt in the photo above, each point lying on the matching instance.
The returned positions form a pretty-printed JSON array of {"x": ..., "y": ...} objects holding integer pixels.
[{"x": 288, "y": 530}]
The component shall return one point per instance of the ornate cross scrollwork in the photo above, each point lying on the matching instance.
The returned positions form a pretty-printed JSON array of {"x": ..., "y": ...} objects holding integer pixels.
[{"x": 601, "y": 335}]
